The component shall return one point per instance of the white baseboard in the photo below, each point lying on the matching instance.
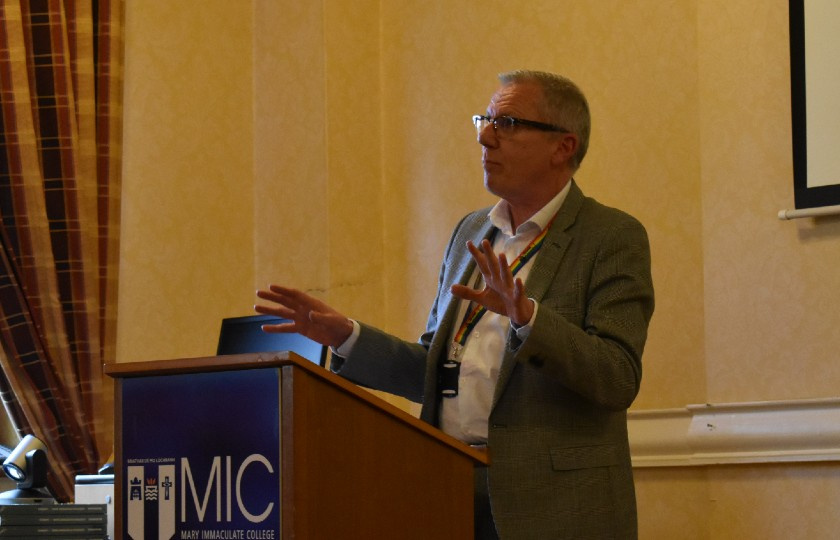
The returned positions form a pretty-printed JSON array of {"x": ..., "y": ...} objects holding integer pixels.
[{"x": 755, "y": 432}]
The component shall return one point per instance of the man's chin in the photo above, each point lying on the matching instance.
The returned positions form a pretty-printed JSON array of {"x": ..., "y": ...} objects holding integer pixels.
[{"x": 491, "y": 184}]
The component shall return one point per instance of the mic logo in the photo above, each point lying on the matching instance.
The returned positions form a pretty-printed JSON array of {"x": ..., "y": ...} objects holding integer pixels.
[{"x": 221, "y": 482}]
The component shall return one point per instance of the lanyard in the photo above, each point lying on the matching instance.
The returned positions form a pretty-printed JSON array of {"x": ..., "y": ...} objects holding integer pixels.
[{"x": 474, "y": 315}]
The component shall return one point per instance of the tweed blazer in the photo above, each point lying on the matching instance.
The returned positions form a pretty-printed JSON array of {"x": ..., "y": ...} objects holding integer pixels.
[{"x": 557, "y": 434}]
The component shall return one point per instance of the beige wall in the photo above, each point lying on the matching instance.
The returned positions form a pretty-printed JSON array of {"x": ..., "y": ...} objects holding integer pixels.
[
  {"x": 311, "y": 142},
  {"x": 771, "y": 287},
  {"x": 187, "y": 242}
]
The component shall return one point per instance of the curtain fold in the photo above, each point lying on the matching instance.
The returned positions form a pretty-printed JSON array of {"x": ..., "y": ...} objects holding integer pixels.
[{"x": 60, "y": 78}]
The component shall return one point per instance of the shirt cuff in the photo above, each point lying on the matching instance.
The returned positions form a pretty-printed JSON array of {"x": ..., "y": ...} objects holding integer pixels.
[
  {"x": 344, "y": 349},
  {"x": 524, "y": 331}
]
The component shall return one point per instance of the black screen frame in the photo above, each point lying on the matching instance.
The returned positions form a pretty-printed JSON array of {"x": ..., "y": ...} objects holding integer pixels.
[
  {"x": 804, "y": 196},
  {"x": 243, "y": 334}
]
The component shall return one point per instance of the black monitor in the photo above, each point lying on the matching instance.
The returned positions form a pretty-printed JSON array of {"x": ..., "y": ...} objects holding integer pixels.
[{"x": 245, "y": 335}]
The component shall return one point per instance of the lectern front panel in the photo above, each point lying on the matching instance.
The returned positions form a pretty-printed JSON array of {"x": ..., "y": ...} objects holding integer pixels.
[
  {"x": 211, "y": 448},
  {"x": 201, "y": 455}
]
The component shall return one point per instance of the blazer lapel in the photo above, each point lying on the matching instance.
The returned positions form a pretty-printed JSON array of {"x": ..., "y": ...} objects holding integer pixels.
[
  {"x": 547, "y": 262},
  {"x": 465, "y": 268},
  {"x": 546, "y": 266}
]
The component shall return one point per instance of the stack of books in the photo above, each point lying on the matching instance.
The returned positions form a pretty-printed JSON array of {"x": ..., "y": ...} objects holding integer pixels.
[{"x": 71, "y": 521}]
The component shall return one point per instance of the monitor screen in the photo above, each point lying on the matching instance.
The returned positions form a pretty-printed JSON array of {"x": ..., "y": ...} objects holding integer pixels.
[{"x": 245, "y": 335}]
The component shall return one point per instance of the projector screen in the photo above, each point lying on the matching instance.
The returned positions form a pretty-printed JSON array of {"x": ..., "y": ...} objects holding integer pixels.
[{"x": 815, "y": 96}]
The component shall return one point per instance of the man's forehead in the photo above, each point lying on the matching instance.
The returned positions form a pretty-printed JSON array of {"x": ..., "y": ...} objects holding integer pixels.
[{"x": 515, "y": 95}]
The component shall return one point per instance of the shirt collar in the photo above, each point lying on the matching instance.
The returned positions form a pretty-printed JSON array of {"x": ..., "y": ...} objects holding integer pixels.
[{"x": 500, "y": 214}]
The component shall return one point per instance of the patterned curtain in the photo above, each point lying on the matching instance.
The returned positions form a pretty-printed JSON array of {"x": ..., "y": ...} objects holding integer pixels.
[{"x": 60, "y": 147}]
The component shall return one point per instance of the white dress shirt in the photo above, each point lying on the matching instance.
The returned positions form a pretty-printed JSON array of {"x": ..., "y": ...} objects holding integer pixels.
[{"x": 465, "y": 416}]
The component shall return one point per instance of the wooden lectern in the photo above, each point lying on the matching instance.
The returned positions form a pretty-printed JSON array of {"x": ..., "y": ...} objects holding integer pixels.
[{"x": 270, "y": 445}]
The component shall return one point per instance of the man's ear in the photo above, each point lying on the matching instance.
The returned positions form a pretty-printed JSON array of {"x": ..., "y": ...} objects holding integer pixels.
[{"x": 567, "y": 146}]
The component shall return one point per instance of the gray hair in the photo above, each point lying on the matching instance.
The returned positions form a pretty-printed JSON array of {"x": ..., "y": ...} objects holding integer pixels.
[{"x": 563, "y": 104}]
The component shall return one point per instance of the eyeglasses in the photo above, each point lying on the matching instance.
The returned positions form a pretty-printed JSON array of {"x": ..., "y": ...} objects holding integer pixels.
[{"x": 506, "y": 124}]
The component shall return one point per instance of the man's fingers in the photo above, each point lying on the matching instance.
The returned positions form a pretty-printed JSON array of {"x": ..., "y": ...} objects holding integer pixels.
[
  {"x": 504, "y": 271},
  {"x": 288, "y": 303},
  {"x": 293, "y": 299},
  {"x": 307, "y": 315},
  {"x": 518, "y": 290},
  {"x": 465, "y": 293},
  {"x": 268, "y": 295},
  {"x": 490, "y": 256},
  {"x": 277, "y": 311},
  {"x": 282, "y": 328},
  {"x": 479, "y": 258},
  {"x": 290, "y": 294},
  {"x": 265, "y": 310}
]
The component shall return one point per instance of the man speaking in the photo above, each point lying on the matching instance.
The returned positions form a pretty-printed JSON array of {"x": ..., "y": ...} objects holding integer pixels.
[{"x": 534, "y": 342}]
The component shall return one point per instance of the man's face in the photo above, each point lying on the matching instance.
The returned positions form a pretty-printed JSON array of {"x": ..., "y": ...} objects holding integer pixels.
[{"x": 518, "y": 163}]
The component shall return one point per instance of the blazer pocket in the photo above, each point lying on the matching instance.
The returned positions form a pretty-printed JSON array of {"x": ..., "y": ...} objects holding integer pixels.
[{"x": 584, "y": 457}]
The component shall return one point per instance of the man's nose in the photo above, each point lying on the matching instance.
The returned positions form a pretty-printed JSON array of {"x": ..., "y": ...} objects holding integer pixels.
[{"x": 487, "y": 135}]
